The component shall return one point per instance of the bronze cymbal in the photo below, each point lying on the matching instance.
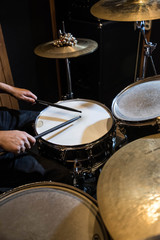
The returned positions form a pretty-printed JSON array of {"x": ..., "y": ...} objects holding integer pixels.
[
  {"x": 83, "y": 47},
  {"x": 128, "y": 190},
  {"x": 127, "y": 10}
]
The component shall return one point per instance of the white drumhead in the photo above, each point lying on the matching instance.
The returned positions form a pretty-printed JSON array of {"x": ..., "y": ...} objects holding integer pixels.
[
  {"x": 140, "y": 102},
  {"x": 95, "y": 122},
  {"x": 45, "y": 211}
]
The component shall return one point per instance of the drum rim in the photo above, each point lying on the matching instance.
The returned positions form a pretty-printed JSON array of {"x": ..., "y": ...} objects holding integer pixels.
[
  {"x": 48, "y": 184},
  {"x": 80, "y": 146},
  {"x": 134, "y": 123}
]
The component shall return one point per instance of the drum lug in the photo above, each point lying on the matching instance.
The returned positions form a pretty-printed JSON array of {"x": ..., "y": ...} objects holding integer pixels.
[
  {"x": 62, "y": 155},
  {"x": 77, "y": 166},
  {"x": 158, "y": 122},
  {"x": 90, "y": 154}
]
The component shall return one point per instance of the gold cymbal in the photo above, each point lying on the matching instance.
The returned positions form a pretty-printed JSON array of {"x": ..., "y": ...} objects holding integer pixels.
[
  {"x": 128, "y": 190},
  {"x": 127, "y": 10},
  {"x": 83, "y": 47}
]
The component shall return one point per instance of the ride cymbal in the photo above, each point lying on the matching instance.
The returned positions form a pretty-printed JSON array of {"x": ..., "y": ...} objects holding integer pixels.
[
  {"x": 128, "y": 190},
  {"x": 127, "y": 10},
  {"x": 83, "y": 47}
]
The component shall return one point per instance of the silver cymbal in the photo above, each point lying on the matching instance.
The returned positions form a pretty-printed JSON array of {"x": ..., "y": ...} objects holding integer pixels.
[
  {"x": 128, "y": 190},
  {"x": 83, "y": 47},
  {"x": 127, "y": 10}
]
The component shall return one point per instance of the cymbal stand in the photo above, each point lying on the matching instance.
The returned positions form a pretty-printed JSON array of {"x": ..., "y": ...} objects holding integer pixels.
[
  {"x": 149, "y": 47},
  {"x": 69, "y": 95}
]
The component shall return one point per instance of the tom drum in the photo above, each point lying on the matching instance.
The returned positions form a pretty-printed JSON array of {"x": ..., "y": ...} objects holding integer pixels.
[
  {"x": 136, "y": 109},
  {"x": 46, "y": 211}
]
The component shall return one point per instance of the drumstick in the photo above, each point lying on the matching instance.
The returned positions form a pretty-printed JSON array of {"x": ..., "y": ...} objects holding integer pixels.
[
  {"x": 57, "y": 105},
  {"x": 57, "y": 127}
]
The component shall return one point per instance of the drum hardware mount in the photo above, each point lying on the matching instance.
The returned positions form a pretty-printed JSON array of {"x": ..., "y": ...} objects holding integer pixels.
[
  {"x": 149, "y": 47},
  {"x": 120, "y": 138},
  {"x": 85, "y": 179},
  {"x": 86, "y": 182},
  {"x": 76, "y": 174},
  {"x": 114, "y": 141}
]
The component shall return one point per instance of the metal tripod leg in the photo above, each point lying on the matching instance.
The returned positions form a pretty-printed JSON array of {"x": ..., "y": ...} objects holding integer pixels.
[{"x": 149, "y": 47}]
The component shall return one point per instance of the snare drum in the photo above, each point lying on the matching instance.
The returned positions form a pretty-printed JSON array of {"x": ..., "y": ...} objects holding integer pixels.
[
  {"x": 136, "y": 109},
  {"x": 46, "y": 211},
  {"x": 86, "y": 141}
]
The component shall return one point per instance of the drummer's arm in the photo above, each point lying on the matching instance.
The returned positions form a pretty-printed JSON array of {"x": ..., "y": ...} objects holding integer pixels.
[{"x": 19, "y": 93}]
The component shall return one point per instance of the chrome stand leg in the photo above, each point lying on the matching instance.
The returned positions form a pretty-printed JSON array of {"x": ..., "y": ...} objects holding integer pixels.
[{"x": 149, "y": 47}]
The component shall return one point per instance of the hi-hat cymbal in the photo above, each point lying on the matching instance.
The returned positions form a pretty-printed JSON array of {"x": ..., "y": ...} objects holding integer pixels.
[
  {"x": 127, "y": 10},
  {"x": 83, "y": 47},
  {"x": 128, "y": 190}
]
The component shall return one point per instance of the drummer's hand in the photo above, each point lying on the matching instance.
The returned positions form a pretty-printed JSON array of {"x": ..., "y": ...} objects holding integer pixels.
[
  {"x": 23, "y": 94},
  {"x": 16, "y": 141}
]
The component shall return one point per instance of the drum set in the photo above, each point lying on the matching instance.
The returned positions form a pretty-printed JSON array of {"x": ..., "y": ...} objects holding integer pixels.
[{"x": 117, "y": 150}]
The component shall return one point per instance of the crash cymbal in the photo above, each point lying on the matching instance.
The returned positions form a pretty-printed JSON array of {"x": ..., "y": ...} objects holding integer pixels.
[
  {"x": 126, "y": 10},
  {"x": 83, "y": 47},
  {"x": 128, "y": 190}
]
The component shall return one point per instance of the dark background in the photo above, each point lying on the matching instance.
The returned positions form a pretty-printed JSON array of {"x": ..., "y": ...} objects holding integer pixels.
[{"x": 100, "y": 75}]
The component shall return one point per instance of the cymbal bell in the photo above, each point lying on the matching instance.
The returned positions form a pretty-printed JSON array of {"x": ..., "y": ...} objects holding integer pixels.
[
  {"x": 126, "y": 10},
  {"x": 83, "y": 47},
  {"x": 128, "y": 190}
]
